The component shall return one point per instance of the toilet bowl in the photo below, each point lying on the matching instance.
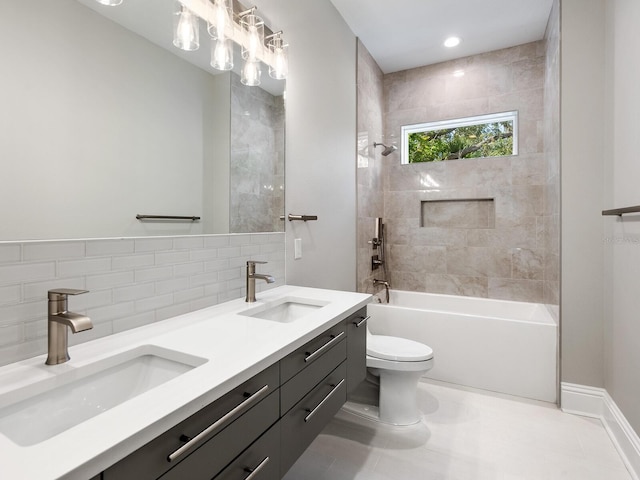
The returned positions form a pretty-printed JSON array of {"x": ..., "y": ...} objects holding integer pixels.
[{"x": 399, "y": 363}]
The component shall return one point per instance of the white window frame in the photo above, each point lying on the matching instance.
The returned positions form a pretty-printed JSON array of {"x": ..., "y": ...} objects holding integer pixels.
[{"x": 458, "y": 122}]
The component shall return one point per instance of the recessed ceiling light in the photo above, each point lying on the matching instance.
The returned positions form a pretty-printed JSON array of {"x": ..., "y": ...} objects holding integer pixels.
[
  {"x": 458, "y": 73},
  {"x": 452, "y": 42}
]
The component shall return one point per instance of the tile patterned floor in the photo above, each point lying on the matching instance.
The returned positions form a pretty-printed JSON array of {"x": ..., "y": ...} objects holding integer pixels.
[{"x": 465, "y": 435}]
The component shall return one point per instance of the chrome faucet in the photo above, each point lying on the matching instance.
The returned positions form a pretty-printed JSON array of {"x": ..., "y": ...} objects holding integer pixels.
[
  {"x": 251, "y": 280},
  {"x": 386, "y": 286},
  {"x": 58, "y": 321}
]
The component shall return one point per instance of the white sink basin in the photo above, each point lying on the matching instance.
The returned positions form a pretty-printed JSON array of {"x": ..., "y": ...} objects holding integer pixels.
[
  {"x": 40, "y": 411},
  {"x": 285, "y": 310}
]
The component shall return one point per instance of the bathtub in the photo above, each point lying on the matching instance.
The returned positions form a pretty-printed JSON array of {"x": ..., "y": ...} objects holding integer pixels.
[{"x": 502, "y": 346}]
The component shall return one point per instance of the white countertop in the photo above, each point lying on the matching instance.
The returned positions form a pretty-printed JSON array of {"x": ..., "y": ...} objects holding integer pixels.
[{"x": 236, "y": 348}]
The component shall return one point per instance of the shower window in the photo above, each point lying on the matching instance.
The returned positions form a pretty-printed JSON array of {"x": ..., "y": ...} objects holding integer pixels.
[{"x": 493, "y": 135}]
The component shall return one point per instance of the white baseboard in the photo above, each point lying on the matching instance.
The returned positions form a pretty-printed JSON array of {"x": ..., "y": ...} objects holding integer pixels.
[{"x": 596, "y": 402}]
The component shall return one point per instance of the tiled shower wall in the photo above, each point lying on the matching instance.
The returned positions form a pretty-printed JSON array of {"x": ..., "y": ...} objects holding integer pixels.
[
  {"x": 491, "y": 248},
  {"x": 257, "y": 160},
  {"x": 131, "y": 281},
  {"x": 369, "y": 173}
]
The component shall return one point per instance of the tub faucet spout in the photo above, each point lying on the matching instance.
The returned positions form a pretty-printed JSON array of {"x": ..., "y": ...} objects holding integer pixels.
[{"x": 386, "y": 287}]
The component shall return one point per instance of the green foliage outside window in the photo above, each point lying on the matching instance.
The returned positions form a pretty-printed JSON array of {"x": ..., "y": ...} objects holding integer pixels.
[{"x": 493, "y": 139}]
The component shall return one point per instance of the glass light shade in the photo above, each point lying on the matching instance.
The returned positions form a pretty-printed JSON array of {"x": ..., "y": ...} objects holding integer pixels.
[
  {"x": 251, "y": 73},
  {"x": 222, "y": 54},
  {"x": 109, "y": 3},
  {"x": 279, "y": 65},
  {"x": 220, "y": 25},
  {"x": 253, "y": 36},
  {"x": 186, "y": 31}
]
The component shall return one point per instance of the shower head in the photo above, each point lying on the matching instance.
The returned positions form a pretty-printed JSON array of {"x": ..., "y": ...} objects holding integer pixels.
[{"x": 387, "y": 150}]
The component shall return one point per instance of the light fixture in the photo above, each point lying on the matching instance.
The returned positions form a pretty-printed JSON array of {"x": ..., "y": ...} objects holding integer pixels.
[
  {"x": 253, "y": 35},
  {"x": 458, "y": 73},
  {"x": 109, "y": 3},
  {"x": 279, "y": 65},
  {"x": 220, "y": 19},
  {"x": 222, "y": 53},
  {"x": 251, "y": 73},
  {"x": 186, "y": 31},
  {"x": 452, "y": 42},
  {"x": 228, "y": 23}
]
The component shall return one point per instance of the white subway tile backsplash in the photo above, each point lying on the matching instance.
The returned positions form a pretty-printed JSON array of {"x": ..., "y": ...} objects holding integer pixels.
[
  {"x": 188, "y": 243},
  {"x": 131, "y": 282},
  {"x": 216, "y": 241},
  {"x": 10, "y": 294},
  {"x": 153, "y": 244},
  {"x": 206, "y": 254},
  {"x": 115, "y": 246},
  {"x": 11, "y": 314},
  {"x": 172, "y": 285},
  {"x": 26, "y": 272},
  {"x": 133, "y": 321},
  {"x": 217, "y": 265},
  {"x": 70, "y": 268},
  {"x": 57, "y": 250},
  {"x": 10, "y": 252},
  {"x": 204, "y": 279},
  {"x": 133, "y": 261},
  {"x": 188, "y": 269},
  {"x": 97, "y": 282},
  {"x": 171, "y": 258},
  {"x": 249, "y": 250},
  {"x": 134, "y": 292},
  {"x": 157, "y": 273},
  {"x": 154, "y": 303},
  {"x": 11, "y": 334},
  {"x": 229, "y": 252}
]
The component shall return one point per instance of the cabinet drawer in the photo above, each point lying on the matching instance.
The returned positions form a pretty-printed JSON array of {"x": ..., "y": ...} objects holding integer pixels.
[
  {"x": 302, "y": 383},
  {"x": 151, "y": 460},
  {"x": 262, "y": 459},
  {"x": 309, "y": 416},
  {"x": 356, "y": 326},
  {"x": 311, "y": 351},
  {"x": 205, "y": 462}
]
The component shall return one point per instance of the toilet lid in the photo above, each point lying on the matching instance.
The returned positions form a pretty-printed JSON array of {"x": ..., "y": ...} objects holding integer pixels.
[{"x": 397, "y": 349}]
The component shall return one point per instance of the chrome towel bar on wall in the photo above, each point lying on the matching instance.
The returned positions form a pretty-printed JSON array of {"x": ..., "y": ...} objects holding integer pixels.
[
  {"x": 302, "y": 218},
  {"x": 167, "y": 217},
  {"x": 622, "y": 211}
]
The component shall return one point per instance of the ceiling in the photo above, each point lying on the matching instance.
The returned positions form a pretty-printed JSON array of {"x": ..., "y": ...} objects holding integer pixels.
[{"x": 404, "y": 34}]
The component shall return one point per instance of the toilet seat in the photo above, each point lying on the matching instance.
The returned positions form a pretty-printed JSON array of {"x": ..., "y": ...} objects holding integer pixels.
[{"x": 397, "y": 349}]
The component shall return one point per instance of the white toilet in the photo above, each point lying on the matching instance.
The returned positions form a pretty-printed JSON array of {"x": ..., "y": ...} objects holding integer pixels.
[{"x": 399, "y": 363}]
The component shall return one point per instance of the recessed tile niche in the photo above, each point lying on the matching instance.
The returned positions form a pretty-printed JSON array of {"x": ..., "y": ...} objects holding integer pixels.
[{"x": 458, "y": 213}]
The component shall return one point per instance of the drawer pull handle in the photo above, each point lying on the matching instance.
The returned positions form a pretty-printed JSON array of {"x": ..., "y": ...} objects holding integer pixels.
[
  {"x": 255, "y": 471},
  {"x": 364, "y": 319},
  {"x": 218, "y": 424},
  {"x": 312, "y": 356},
  {"x": 313, "y": 412}
]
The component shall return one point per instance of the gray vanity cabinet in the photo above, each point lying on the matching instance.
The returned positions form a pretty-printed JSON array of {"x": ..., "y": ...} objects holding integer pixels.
[
  {"x": 259, "y": 429},
  {"x": 210, "y": 439},
  {"x": 356, "y": 326}
]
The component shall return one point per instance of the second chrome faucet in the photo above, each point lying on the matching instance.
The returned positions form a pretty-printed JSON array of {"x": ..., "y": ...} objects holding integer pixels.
[{"x": 251, "y": 279}]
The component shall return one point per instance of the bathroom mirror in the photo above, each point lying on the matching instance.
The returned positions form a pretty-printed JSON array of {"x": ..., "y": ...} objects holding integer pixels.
[{"x": 104, "y": 119}]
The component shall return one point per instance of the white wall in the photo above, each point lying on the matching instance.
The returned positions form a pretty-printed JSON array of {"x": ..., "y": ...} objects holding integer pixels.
[
  {"x": 320, "y": 141},
  {"x": 622, "y": 235},
  {"x": 582, "y": 154}
]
